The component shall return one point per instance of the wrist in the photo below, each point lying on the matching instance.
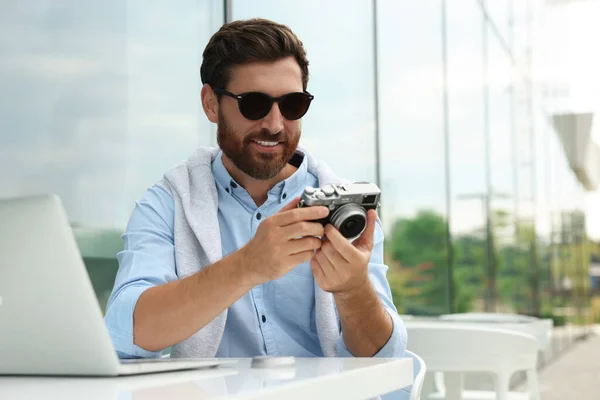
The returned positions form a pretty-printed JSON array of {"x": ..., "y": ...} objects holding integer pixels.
[
  {"x": 244, "y": 268},
  {"x": 358, "y": 294}
]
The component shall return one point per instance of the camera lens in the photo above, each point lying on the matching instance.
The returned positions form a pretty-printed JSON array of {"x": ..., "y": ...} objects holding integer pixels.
[
  {"x": 350, "y": 220},
  {"x": 353, "y": 226}
]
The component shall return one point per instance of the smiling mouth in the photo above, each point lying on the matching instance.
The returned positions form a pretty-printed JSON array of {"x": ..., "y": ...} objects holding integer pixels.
[{"x": 265, "y": 143}]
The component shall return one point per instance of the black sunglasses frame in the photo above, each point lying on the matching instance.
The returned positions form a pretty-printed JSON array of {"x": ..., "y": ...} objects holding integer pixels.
[{"x": 278, "y": 100}]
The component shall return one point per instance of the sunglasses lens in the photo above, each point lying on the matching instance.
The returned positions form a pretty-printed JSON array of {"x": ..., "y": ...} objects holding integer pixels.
[
  {"x": 255, "y": 105},
  {"x": 295, "y": 105}
]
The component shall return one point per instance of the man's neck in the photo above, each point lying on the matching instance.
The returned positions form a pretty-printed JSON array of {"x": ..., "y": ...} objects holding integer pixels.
[{"x": 257, "y": 189}]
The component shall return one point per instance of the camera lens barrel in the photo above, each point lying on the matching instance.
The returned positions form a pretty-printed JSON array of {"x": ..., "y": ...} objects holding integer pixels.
[{"x": 350, "y": 219}]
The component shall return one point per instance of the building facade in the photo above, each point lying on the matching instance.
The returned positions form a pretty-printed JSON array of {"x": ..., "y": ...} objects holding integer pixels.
[{"x": 443, "y": 103}]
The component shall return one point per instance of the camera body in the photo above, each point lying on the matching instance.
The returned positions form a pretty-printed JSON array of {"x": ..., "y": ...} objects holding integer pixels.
[{"x": 348, "y": 205}]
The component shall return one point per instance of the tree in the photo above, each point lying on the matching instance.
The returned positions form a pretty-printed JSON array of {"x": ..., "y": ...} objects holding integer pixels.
[
  {"x": 418, "y": 246},
  {"x": 469, "y": 270},
  {"x": 514, "y": 276},
  {"x": 417, "y": 254}
]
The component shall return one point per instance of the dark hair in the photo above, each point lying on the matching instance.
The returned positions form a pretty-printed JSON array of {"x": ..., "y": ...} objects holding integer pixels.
[{"x": 246, "y": 41}]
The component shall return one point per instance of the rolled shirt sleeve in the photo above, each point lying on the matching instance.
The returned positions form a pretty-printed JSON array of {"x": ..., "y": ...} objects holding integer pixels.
[
  {"x": 147, "y": 260},
  {"x": 396, "y": 344}
]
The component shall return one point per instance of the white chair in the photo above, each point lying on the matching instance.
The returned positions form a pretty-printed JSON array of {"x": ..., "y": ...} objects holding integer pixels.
[
  {"x": 458, "y": 348},
  {"x": 412, "y": 392},
  {"x": 419, "y": 370},
  {"x": 488, "y": 317},
  {"x": 541, "y": 329}
]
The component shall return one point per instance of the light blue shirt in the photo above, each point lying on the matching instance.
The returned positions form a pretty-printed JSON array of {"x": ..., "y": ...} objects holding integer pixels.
[{"x": 274, "y": 318}]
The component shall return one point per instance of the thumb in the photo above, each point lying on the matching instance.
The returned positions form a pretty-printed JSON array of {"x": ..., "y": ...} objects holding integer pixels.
[
  {"x": 291, "y": 205},
  {"x": 365, "y": 241}
]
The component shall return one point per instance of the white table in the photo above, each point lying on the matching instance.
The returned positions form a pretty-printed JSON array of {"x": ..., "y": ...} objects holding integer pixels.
[{"x": 311, "y": 378}]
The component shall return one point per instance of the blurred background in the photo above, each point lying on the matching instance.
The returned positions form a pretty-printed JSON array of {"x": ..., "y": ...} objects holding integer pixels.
[{"x": 475, "y": 117}]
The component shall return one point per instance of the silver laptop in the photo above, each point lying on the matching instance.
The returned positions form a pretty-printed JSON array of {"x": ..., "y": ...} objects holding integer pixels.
[{"x": 50, "y": 319}]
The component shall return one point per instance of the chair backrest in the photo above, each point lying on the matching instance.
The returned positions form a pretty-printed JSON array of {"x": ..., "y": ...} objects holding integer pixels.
[
  {"x": 468, "y": 347},
  {"x": 488, "y": 317},
  {"x": 419, "y": 370},
  {"x": 541, "y": 329}
]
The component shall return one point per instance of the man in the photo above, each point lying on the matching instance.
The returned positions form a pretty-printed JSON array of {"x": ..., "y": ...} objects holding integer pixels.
[{"x": 219, "y": 261}]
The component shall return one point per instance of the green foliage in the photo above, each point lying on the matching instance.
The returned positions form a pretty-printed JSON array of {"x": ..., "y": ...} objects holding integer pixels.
[
  {"x": 559, "y": 320},
  {"x": 418, "y": 246},
  {"x": 514, "y": 276},
  {"x": 418, "y": 250}
]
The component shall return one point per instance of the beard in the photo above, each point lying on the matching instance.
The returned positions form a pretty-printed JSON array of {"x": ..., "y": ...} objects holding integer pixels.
[{"x": 254, "y": 163}]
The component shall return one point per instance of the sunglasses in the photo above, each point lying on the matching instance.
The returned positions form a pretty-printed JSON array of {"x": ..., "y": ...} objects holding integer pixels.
[{"x": 257, "y": 105}]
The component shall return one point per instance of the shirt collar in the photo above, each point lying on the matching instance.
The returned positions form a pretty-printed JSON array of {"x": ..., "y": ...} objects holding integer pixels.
[{"x": 282, "y": 190}]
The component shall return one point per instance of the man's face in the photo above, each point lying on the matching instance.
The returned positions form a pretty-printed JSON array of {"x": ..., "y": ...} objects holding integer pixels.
[{"x": 262, "y": 148}]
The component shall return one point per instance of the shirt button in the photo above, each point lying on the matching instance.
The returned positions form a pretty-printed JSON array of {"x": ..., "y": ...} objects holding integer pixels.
[
  {"x": 258, "y": 216},
  {"x": 284, "y": 196},
  {"x": 233, "y": 184},
  {"x": 264, "y": 319}
]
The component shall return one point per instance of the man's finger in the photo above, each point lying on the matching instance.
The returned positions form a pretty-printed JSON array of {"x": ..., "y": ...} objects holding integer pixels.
[
  {"x": 340, "y": 243},
  {"x": 301, "y": 214},
  {"x": 324, "y": 263},
  {"x": 291, "y": 205},
  {"x": 333, "y": 256},
  {"x": 299, "y": 258},
  {"x": 303, "y": 228},
  {"x": 365, "y": 241},
  {"x": 304, "y": 244},
  {"x": 317, "y": 271}
]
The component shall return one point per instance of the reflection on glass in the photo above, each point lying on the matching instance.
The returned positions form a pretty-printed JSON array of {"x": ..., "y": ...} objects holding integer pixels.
[
  {"x": 467, "y": 154},
  {"x": 412, "y": 154},
  {"x": 100, "y": 99},
  {"x": 338, "y": 38},
  {"x": 499, "y": 13},
  {"x": 513, "y": 238}
]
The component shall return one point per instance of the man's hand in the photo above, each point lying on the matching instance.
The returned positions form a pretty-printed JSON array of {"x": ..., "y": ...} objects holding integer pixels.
[
  {"x": 341, "y": 267},
  {"x": 283, "y": 241}
]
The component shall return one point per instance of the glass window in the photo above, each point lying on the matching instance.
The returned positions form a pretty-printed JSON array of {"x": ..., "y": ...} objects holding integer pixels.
[
  {"x": 339, "y": 127},
  {"x": 511, "y": 257},
  {"x": 100, "y": 99},
  {"x": 521, "y": 32},
  {"x": 468, "y": 193},
  {"x": 499, "y": 13},
  {"x": 412, "y": 154},
  {"x": 561, "y": 241},
  {"x": 544, "y": 134}
]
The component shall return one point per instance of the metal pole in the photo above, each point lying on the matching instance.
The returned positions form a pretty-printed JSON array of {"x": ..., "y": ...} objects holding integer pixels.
[
  {"x": 449, "y": 246},
  {"x": 513, "y": 126},
  {"x": 376, "y": 95},
  {"x": 227, "y": 8},
  {"x": 535, "y": 289},
  {"x": 491, "y": 268}
]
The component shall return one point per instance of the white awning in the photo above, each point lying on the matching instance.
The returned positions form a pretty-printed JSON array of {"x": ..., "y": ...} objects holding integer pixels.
[{"x": 582, "y": 153}]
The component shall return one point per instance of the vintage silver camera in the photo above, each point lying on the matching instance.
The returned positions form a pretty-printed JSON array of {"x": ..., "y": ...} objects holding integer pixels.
[{"x": 347, "y": 203}]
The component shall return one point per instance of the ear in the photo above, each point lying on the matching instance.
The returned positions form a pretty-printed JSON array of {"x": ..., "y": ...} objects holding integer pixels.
[{"x": 210, "y": 103}]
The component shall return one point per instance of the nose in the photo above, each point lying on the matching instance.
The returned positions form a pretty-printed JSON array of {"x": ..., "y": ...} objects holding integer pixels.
[{"x": 274, "y": 120}]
